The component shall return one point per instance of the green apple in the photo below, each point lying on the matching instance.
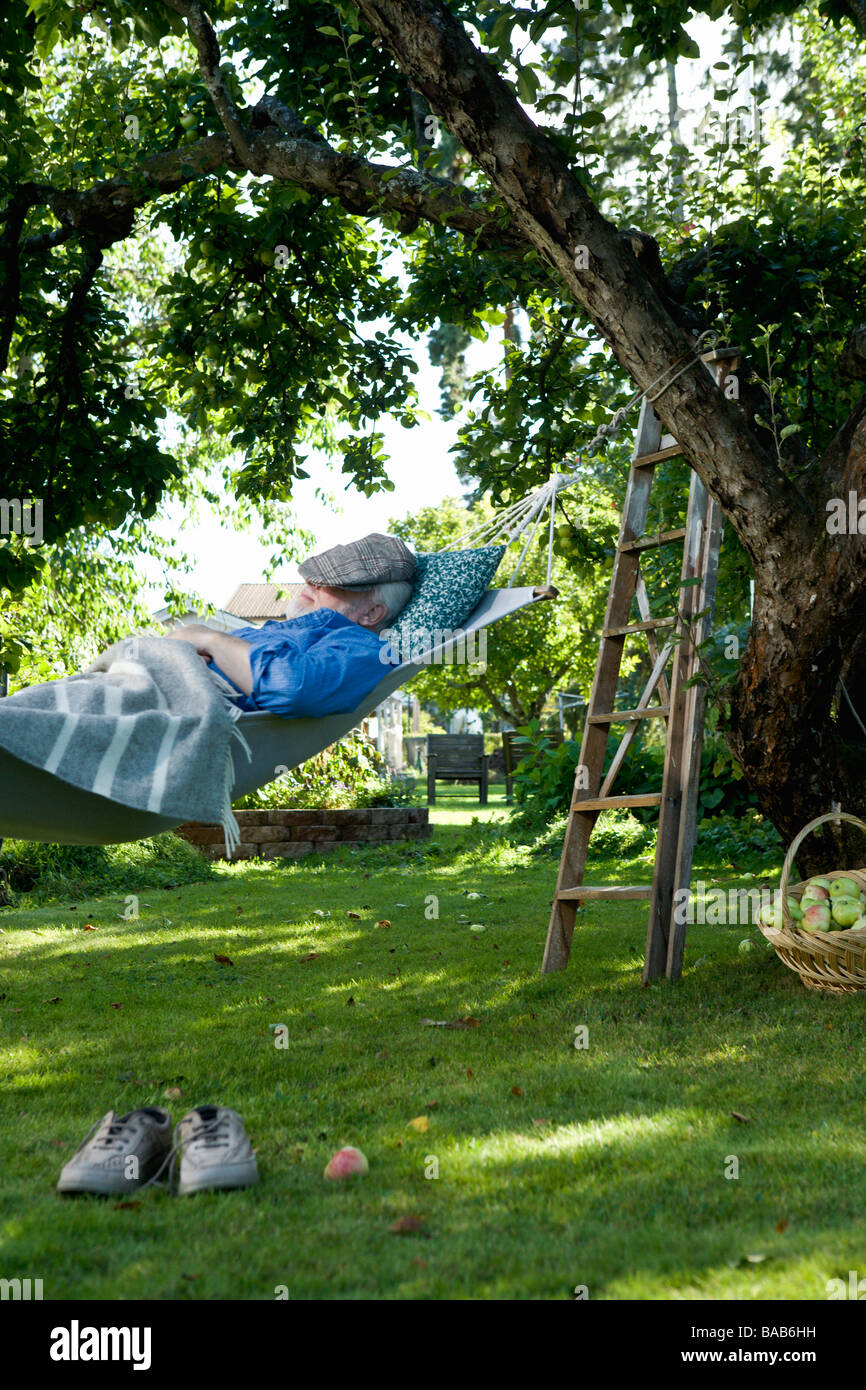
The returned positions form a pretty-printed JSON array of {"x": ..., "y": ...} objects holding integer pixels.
[
  {"x": 189, "y": 120},
  {"x": 845, "y": 911},
  {"x": 795, "y": 910},
  {"x": 819, "y": 882},
  {"x": 843, "y": 888},
  {"x": 746, "y": 945},
  {"x": 771, "y": 916},
  {"x": 860, "y": 924}
]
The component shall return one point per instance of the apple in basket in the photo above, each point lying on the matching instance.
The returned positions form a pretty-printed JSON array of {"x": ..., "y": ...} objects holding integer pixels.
[
  {"x": 816, "y": 917},
  {"x": 771, "y": 916},
  {"x": 771, "y": 913},
  {"x": 817, "y": 890},
  {"x": 843, "y": 888},
  {"x": 845, "y": 912}
]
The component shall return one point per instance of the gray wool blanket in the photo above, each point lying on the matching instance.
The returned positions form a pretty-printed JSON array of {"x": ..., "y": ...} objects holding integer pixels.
[{"x": 148, "y": 725}]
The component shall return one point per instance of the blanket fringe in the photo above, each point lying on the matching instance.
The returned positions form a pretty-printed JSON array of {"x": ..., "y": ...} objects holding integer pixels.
[{"x": 228, "y": 820}]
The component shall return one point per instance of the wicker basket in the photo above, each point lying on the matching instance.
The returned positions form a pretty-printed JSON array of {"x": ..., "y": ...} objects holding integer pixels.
[{"x": 830, "y": 961}]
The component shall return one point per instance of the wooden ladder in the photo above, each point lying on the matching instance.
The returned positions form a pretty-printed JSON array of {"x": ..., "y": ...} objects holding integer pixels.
[{"x": 681, "y": 705}]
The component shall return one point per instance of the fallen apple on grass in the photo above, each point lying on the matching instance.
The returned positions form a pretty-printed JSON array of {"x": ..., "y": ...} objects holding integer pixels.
[{"x": 347, "y": 1163}]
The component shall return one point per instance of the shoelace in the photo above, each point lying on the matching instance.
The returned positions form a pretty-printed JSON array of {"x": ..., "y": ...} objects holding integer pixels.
[
  {"x": 107, "y": 1140},
  {"x": 209, "y": 1132},
  {"x": 111, "y": 1137}
]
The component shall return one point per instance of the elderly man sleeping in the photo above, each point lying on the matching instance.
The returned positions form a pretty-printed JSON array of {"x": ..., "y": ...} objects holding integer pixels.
[{"x": 325, "y": 656}]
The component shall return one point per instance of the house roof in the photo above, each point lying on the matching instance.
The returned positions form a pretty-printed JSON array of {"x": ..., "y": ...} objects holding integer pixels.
[{"x": 261, "y": 600}]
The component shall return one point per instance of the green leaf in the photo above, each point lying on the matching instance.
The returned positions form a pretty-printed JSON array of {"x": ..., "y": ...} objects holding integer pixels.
[
  {"x": 527, "y": 85},
  {"x": 329, "y": 29}
]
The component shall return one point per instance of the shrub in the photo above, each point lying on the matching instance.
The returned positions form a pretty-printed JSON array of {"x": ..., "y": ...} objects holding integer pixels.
[
  {"x": 349, "y": 773},
  {"x": 620, "y": 833},
  {"x": 544, "y": 779},
  {"x": 734, "y": 836},
  {"x": 58, "y": 871}
]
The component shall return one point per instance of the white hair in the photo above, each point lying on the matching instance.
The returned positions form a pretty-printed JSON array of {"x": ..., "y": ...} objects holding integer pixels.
[{"x": 395, "y": 595}]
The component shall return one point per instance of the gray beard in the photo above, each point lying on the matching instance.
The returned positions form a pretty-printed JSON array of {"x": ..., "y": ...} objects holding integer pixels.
[{"x": 298, "y": 607}]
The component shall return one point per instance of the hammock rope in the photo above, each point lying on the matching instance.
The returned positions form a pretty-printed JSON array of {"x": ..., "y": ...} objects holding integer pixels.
[{"x": 510, "y": 524}]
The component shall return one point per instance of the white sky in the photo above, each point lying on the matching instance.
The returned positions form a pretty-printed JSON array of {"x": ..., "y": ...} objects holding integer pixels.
[{"x": 421, "y": 467}]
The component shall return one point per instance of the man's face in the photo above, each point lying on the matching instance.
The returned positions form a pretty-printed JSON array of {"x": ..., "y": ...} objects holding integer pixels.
[
  {"x": 349, "y": 602},
  {"x": 314, "y": 596}
]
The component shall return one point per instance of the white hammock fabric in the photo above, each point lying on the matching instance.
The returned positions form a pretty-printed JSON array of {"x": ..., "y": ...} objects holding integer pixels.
[{"x": 36, "y": 805}]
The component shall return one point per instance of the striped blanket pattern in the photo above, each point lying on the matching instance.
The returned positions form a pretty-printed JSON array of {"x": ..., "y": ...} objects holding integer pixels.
[{"x": 146, "y": 725}]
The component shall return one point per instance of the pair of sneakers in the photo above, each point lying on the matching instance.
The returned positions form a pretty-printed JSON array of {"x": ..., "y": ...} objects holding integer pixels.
[{"x": 123, "y": 1153}]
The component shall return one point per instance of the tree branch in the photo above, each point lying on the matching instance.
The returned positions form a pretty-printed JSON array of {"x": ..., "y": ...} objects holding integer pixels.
[
  {"x": 557, "y": 215},
  {"x": 286, "y": 150},
  {"x": 22, "y": 200},
  {"x": 201, "y": 32}
]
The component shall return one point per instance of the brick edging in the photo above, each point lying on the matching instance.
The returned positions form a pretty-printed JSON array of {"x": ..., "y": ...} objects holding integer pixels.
[{"x": 289, "y": 834}]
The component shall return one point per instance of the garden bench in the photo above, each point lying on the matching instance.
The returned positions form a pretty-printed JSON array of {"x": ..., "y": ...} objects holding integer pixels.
[{"x": 457, "y": 758}]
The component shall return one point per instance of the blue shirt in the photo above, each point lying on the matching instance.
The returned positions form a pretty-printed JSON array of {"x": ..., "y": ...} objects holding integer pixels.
[{"x": 321, "y": 663}]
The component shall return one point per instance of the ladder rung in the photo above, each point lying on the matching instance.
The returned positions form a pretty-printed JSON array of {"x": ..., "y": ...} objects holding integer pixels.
[
  {"x": 649, "y": 626},
  {"x": 616, "y": 715},
  {"x": 668, "y": 453},
  {"x": 611, "y": 803},
  {"x": 652, "y": 542},
  {"x": 603, "y": 891}
]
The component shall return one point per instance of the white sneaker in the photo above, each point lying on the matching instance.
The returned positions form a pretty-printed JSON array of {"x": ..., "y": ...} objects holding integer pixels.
[
  {"x": 120, "y": 1153},
  {"x": 215, "y": 1150}
]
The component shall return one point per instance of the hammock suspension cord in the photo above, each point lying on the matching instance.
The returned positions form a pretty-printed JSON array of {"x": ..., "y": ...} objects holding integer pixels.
[{"x": 513, "y": 521}]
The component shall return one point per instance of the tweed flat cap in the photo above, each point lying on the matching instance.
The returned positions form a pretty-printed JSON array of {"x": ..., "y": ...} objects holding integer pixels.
[{"x": 375, "y": 559}]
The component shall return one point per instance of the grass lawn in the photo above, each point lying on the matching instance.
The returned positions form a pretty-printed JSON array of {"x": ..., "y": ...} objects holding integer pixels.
[{"x": 557, "y": 1167}]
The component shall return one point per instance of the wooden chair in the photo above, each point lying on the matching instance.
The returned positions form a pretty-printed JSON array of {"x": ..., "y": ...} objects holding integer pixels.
[
  {"x": 457, "y": 758},
  {"x": 515, "y": 750}
]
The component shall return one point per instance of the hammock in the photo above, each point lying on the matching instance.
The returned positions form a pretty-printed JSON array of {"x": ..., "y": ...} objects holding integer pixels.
[{"x": 36, "y": 805}]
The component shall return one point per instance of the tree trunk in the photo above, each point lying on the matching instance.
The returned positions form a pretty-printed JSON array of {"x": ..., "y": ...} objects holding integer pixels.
[{"x": 810, "y": 587}]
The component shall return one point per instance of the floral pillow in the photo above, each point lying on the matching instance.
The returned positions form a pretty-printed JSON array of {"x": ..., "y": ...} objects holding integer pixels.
[{"x": 449, "y": 586}]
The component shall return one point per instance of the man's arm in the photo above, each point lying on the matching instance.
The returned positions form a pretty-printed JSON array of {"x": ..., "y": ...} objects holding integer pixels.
[{"x": 230, "y": 654}]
